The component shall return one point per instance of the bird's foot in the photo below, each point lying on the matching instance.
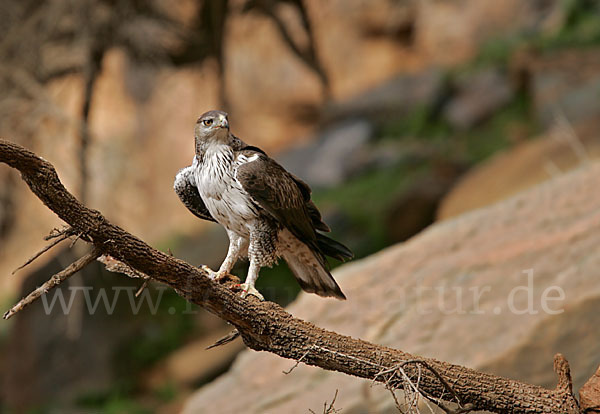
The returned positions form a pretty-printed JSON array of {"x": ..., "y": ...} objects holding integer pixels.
[
  {"x": 216, "y": 276},
  {"x": 248, "y": 289}
]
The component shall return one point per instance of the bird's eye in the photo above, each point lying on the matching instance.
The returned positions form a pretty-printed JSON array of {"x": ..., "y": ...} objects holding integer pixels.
[{"x": 207, "y": 122}]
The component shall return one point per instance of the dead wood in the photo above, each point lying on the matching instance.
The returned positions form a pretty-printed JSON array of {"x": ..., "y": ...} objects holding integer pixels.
[{"x": 54, "y": 281}]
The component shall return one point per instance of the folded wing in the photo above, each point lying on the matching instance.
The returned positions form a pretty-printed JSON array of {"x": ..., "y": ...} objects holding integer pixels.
[
  {"x": 287, "y": 200},
  {"x": 186, "y": 189}
]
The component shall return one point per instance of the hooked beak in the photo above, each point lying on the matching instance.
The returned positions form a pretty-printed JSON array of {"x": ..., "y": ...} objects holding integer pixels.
[{"x": 223, "y": 123}]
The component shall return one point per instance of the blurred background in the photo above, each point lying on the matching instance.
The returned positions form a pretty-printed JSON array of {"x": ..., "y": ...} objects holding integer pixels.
[{"x": 398, "y": 113}]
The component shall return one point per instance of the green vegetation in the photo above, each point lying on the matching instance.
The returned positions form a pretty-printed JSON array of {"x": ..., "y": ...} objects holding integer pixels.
[
  {"x": 422, "y": 122},
  {"x": 426, "y": 128},
  {"x": 115, "y": 401},
  {"x": 581, "y": 26},
  {"x": 277, "y": 283},
  {"x": 498, "y": 51},
  {"x": 6, "y": 302},
  {"x": 167, "y": 392},
  {"x": 494, "y": 134}
]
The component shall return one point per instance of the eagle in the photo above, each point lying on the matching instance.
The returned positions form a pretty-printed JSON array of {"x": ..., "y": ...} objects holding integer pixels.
[{"x": 266, "y": 211}]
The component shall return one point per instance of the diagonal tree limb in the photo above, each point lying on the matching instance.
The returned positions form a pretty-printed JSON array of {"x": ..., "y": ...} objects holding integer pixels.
[
  {"x": 265, "y": 326},
  {"x": 113, "y": 265},
  {"x": 54, "y": 281}
]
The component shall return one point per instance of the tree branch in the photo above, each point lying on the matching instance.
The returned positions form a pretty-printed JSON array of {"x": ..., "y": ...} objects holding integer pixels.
[
  {"x": 265, "y": 326},
  {"x": 54, "y": 281}
]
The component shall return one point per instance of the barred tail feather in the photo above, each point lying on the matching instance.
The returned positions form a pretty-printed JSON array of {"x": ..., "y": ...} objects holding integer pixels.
[{"x": 311, "y": 274}]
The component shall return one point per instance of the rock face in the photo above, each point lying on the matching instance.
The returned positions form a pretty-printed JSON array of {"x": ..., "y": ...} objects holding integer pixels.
[
  {"x": 479, "y": 96},
  {"x": 567, "y": 84},
  {"x": 394, "y": 97},
  {"x": 141, "y": 121},
  {"x": 333, "y": 157},
  {"x": 451, "y": 32},
  {"x": 500, "y": 289}
]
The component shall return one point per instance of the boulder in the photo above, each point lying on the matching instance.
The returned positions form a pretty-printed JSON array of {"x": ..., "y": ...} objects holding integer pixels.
[
  {"x": 499, "y": 289},
  {"x": 528, "y": 163}
]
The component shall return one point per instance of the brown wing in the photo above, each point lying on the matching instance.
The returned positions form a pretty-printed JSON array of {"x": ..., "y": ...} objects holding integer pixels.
[
  {"x": 287, "y": 199},
  {"x": 277, "y": 192},
  {"x": 313, "y": 211}
]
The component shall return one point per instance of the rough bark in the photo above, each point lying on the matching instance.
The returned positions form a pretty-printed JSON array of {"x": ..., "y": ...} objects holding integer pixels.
[{"x": 265, "y": 326}]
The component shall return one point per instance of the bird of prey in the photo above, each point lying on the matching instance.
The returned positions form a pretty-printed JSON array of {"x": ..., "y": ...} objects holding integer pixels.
[{"x": 266, "y": 211}]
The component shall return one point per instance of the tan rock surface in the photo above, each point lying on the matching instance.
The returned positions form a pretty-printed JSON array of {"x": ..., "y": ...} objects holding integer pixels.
[
  {"x": 527, "y": 164},
  {"x": 420, "y": 296}
]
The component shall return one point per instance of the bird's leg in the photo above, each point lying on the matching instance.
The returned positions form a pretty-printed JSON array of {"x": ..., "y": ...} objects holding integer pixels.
[
  {"x": 248, "y": 287},
  {"x": 236, "y": 244},
  {"x": 261, "y": 251}
]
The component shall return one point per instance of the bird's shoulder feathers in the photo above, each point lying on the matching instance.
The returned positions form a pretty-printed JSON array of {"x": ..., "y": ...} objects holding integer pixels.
[{"x": 276, "y": 191}]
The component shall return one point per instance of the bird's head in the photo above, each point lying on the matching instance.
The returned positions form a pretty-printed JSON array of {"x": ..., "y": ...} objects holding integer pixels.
[{"x": 212, "y": 126}]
